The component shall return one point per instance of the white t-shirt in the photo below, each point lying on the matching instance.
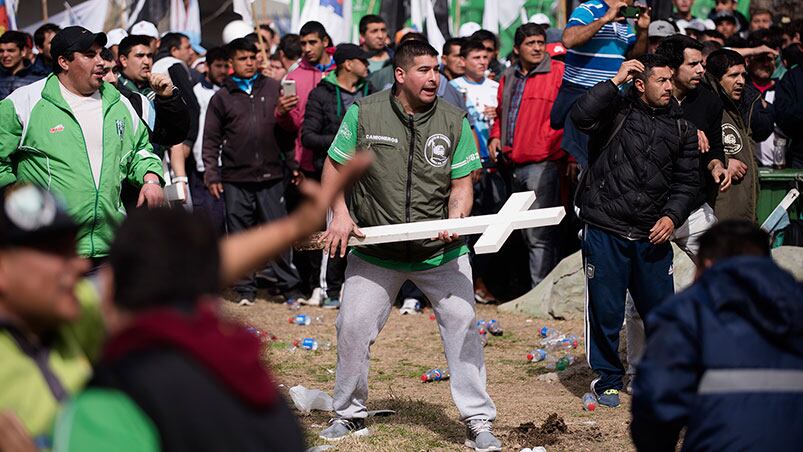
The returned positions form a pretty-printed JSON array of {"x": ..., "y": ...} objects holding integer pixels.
[
  {"x": 88, "y": 111},
  {"x": 204, "y": 95},
  {"x": 771, "y": 151},
  {"x": 478, "y": 97}
]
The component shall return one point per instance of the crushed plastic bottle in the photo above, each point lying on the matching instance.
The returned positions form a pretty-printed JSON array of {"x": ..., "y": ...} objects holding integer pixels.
[
  {"x": 307, "y": 343},
  {"x": 482, "y": 326},
  {"x": 300, "y": 319},
  {"x": 565, "y": 362},
  {"x": 293, "y": 304},
  {"x": 263, "y": 336},
  {"x": 562, "y": 344},
  {"x": 495, "y": 328},
  {"x": 537, "y": 355},
  {"x": 483, "y": 338},
  {"x": 435, "y": 375},
  {"x": 589, "y": 402},
  {"x": 548, "y": 332}
]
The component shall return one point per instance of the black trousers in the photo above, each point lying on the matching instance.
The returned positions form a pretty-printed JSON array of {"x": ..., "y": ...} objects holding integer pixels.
[
  {"x": 252, "y": 204},
  {"x": 204, "y": 204}
]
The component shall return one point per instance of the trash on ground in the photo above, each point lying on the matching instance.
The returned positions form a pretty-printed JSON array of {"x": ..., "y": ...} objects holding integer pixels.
[
  {"x": 307, "y": 400},
  {"x": 589, "y": 401},
  {"x": 300, "y": 319},
  {"x": 435, "y": 375}
]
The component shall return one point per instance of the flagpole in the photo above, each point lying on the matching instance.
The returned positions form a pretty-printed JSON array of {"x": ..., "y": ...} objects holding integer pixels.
[
  {"x": 259, "y": 35},
  {"x": 457, "y": 18},
  {"x": 264, "y": 10},
  {"x": 44, "y": 10},
  {"x": 371, "y": 5}
]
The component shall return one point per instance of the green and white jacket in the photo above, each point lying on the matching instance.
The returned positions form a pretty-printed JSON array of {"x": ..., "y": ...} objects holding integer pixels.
[{"x": 41, "y": 142}]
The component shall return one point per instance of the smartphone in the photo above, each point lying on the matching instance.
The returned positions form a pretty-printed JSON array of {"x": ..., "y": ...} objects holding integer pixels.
[
  {"x": 629, "y": 12},
  {"x": 289, "y": 87}
]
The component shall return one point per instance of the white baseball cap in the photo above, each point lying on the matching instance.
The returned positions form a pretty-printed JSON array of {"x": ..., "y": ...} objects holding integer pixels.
[
  {"x": 468, "y": 29},
  {"x": 541, "y": 19},
  {"x": 115, "y": 36},
  {"x": 236, "y": 29},
  {"x": 145, "y": 28}
]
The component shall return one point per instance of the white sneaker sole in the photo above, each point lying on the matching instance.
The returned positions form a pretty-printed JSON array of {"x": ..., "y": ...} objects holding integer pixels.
[
  {"x": 245, "y": 302},
  {"x": 472, "y": 445},
  {"x": 357, "y": 433}
]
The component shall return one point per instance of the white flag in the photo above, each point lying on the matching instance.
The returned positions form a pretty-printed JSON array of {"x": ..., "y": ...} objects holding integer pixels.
[
  {"x": 501, "y": 14},
  {"x": 335, "y": 15},
  {"x": 243, "y": 8},
  {"x": 422, "y": 16},
  {"x": 187, "y": 18}
]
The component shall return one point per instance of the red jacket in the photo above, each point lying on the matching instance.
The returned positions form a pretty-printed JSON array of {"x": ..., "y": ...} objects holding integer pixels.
[
  {"x": 533, "y": 139},
  {"x": 307, "y": 78}
]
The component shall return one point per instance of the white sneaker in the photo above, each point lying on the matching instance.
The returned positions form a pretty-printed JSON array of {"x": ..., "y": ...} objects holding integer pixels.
[
  {"x": 245, "y": 302},
  {"x": 316, "y": 299},
  {"x": 408, "y": 307}
]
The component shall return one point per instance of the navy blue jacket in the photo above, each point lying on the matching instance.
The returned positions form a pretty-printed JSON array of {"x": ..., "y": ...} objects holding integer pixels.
[
  {"x": 743, "y": 313},
  {"x": 9, "y": 82}
]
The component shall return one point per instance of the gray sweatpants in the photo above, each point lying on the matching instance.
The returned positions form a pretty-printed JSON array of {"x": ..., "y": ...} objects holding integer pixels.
[{"x": 368, "y": 296}]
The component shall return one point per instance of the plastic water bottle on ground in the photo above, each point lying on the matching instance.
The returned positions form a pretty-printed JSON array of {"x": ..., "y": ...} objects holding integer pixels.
[
  {"x": 537, "y": 355},
  {"x": 435, "y": 375},
  {"x": 565, "y": 362},
  {"x": 307, "y": 343},
  {"x": 300, "y": 319},
  {"x": 483, "y": 338},
  {"x": 495, "y": 328},
  {"x": 565, "y": 344},
  {"x": 482, "y": 326},
  {"x": 589, "y": 402},
  {"x": 547, "y": 331}
]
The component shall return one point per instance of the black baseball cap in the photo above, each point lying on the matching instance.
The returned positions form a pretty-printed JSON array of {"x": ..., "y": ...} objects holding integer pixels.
[
  {"x": 346, "y": 51},
  {"x": 722, "y": 16},
  {"x": 32, "y": 217},
  {"x": 74, "y": 39}
]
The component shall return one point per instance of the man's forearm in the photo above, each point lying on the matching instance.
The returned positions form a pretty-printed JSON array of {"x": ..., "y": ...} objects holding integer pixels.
[
  {"x": 328, "y": 176},
  {"x": 178, "y": 160},
  {"x": 581, "y": 34},
  {"x": 641, "y": 45},
  {"x": 461, "y": 198}
]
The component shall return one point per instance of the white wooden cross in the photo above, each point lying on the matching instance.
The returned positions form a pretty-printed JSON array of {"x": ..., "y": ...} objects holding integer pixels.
[{"x": 495, "y": 229}]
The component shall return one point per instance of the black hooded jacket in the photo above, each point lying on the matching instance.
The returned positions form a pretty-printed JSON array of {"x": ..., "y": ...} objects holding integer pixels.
[{"x": 643, "y": 162}]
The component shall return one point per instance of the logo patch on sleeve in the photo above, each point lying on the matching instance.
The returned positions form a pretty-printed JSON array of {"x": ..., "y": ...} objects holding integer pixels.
[
  {"x": 590, "y": 271},
  {"x": 57, "y": 129}
]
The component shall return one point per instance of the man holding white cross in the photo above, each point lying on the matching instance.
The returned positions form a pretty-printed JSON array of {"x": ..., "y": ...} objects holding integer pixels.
[{"x": 424, "y": 153}]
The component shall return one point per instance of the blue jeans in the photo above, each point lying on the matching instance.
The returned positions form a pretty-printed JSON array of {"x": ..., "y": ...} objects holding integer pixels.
[
  {"x": 614, "y": 265},
  {"x": 574, "y": 142},
  {"x": 544, "y": 179}
]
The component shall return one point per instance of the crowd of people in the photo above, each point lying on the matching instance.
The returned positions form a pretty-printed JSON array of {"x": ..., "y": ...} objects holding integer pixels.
[{"x": 648, "y": 131}]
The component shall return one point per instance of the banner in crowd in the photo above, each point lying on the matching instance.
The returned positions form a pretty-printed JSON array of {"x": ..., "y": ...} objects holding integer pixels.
[
  {"x": 335, "y": 15},
  {"x": 7, "y": 17}
]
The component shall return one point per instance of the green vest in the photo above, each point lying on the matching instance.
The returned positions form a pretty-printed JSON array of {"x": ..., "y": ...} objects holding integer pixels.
[{"x": 409, "y": 180}]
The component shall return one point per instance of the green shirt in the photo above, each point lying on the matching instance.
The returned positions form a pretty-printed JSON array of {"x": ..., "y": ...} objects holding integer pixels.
[
  {"x": 465, "y": 159},
  {"x": 104, "y": 420}
]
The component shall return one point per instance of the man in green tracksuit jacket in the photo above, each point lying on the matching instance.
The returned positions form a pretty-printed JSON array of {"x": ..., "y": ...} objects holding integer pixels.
[
  {"x": 424, "y": 153},
  {"x": 76, "y": 136}
]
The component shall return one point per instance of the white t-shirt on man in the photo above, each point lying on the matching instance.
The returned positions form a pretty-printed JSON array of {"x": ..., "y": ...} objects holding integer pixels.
[{"x": 88, "y": 111}]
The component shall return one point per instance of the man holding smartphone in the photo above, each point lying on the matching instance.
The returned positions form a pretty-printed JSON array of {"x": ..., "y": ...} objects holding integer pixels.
[
  {"x": 598, "y": 37},
  {"x": 240, "y": 131}
]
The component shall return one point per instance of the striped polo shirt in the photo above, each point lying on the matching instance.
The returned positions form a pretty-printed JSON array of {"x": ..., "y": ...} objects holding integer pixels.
[{"x": 599, "y": 58}]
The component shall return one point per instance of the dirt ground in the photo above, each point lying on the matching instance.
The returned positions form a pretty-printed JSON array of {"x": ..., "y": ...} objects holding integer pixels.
[{"x": 535, "y": 407}]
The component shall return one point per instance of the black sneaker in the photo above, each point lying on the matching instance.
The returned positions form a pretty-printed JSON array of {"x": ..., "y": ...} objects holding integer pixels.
[{"x": 340, "y": 428}]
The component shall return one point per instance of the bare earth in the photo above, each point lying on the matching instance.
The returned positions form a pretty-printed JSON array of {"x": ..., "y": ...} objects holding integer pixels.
[{"x": 426, "y": 418}]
